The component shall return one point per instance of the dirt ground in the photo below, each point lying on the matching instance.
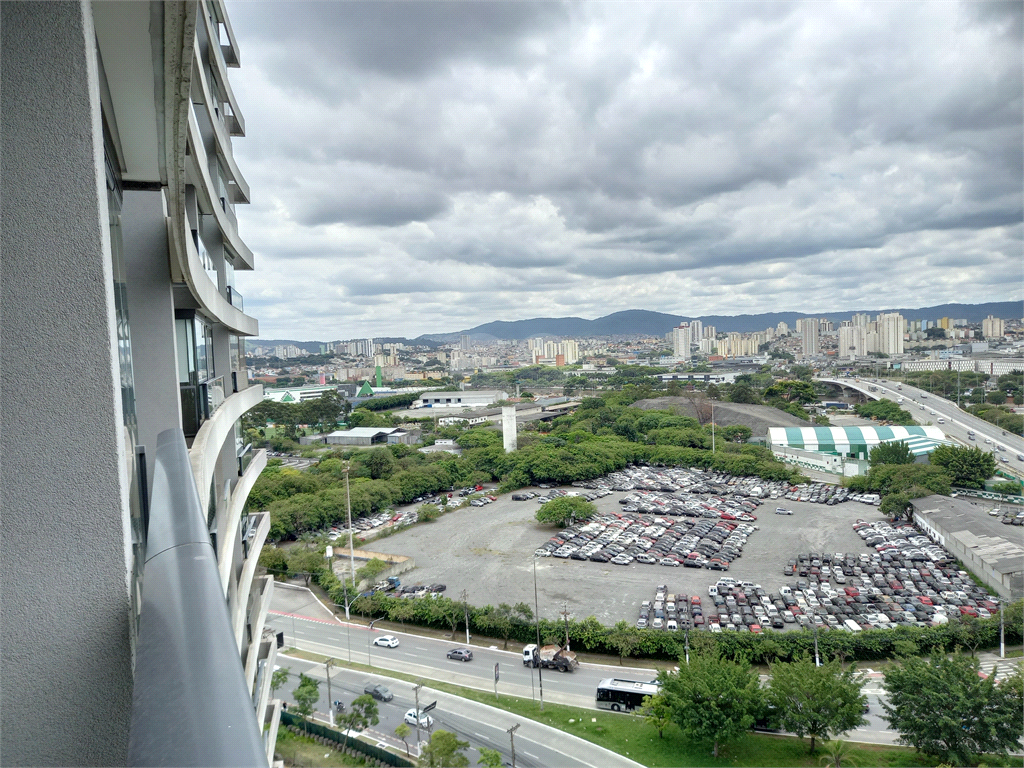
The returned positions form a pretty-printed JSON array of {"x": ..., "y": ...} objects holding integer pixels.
[{"x": 488, "y": 551}]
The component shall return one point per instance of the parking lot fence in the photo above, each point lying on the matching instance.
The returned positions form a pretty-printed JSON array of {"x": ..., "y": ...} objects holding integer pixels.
[{"x": 370, "y": 750}]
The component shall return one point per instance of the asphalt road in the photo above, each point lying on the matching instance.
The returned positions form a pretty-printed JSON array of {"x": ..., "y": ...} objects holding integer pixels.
[
  {"x": 921, "y": 405},
  {"x": 425, "y": 657}
]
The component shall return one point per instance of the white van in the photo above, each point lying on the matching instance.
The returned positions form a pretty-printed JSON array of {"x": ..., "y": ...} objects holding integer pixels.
[
  {"x": 852, "y": 625},
  {"x": 713, "y": 590}
]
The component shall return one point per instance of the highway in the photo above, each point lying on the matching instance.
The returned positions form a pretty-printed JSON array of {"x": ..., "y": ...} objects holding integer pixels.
[{"x": 926, "y": 407}]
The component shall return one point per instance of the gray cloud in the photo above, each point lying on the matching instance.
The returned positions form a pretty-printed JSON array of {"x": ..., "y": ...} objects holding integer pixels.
[{"x": 583, "y": 158}]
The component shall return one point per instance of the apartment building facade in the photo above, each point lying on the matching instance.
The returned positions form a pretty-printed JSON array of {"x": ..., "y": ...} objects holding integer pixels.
[{"x": 120, "y": 247}]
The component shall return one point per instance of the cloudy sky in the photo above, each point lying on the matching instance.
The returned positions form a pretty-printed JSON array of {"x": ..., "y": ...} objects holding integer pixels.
[{"x": 426, "y": 167}]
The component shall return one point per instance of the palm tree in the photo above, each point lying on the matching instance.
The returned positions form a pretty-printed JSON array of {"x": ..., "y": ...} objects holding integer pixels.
[{"x": 837, "y": 754}]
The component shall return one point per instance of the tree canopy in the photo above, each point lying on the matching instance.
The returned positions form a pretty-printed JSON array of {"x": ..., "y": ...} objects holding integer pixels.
[
  {"x": 820, "y": 702},
  {"x": 891, "y": 452},
  {"x": 712, "y": 700},
  {"x": 445, "y": 750},
  {"x": 565, "y": 510},
  {"x": 942, "y": 706},
  {"x": 966, "y": 467}
]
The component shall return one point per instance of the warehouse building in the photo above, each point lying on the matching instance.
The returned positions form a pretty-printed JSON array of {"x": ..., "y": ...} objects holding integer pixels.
[
  {"x": 367, "y": 436},
  {"x": 991, "y": 551},
  {"x": 456, "y": 400},
  {"x": 845, "y": 451}
]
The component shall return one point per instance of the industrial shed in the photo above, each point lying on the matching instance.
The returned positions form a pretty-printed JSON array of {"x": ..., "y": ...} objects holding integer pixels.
[{"x": 854, "y": 442}]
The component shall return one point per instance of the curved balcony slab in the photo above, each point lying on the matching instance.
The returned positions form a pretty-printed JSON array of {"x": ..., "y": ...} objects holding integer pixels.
[
  {"x": 226, "y": 537},
  {"x": 205, "y": 291},
  {"x": 210, "y": 439},
  {"x": 245, "y": 580}
]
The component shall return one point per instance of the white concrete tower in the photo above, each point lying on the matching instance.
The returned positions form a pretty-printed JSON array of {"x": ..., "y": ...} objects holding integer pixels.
[{"x": 508, "y": 427}]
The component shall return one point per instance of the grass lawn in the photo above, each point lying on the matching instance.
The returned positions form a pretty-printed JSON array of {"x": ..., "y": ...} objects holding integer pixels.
[
  {"x": 639, "y": 741},
  {"x": 301, "y": 751}
]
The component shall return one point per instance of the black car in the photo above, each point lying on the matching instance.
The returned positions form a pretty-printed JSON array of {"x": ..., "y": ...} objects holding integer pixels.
[
  {"x": 378, "y": 692},
  {"x": 460, "y": 654}
]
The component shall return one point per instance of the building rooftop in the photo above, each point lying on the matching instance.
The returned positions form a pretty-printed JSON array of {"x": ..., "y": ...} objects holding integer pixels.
[
  {"x": 839, "y": 439},
  {"x": 365, "y": 431},
  {"x": 967, "y": 520}
]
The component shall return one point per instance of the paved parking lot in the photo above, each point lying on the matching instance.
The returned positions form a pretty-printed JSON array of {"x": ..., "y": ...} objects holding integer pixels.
[{"x": 488, "y": 551}]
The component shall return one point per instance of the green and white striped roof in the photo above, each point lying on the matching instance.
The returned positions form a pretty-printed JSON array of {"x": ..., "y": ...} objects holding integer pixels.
[{"x": 855, "y": 439}]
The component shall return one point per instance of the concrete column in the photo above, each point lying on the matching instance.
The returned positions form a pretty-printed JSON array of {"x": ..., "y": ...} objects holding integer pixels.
[
  {"x": 508, "y": 427},
  {"x": 151, "y": 316},
  {"x": 65, "y": 548}
]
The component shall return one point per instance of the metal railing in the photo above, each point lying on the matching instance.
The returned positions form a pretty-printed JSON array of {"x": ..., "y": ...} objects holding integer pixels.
[
  {"x": 190, "y": 706},
  {"x": 235, "y": 298}
]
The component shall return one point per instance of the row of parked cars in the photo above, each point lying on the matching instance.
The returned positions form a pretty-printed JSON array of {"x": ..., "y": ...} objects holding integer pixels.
[
  {"x": 670, "y": 611},
  {"x": 688, "y": 479},
  {"x": 904, "y": 538},
  {"x": 626, "y": 537},
  {"x": 823, "y": 493}
]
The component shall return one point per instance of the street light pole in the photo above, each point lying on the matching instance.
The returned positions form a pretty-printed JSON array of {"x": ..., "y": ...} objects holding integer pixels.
[
  {"x": 416, "y": 693},
  {"x": 814, "y": 624},
  {"x": 1002, "y": 635},
  {"x": 712, "y": 426},
  {"x": 512, "y": 737},
  {"x": 369, "y": 656},
  {"x": 351, "y": 547},
  {"x": 536, "y": 606}
]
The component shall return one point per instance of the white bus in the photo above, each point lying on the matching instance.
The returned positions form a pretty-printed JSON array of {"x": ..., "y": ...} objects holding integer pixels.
[{"x": 624, "y": 695}]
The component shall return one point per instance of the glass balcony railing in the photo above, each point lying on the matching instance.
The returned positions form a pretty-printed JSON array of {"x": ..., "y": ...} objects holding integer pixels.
[
  {"x": 215, "y": 395},
  {"x": 235, "y": 299}
]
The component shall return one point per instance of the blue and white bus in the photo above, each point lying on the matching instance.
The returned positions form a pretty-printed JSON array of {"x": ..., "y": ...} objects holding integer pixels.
[{"x": 624, "y": 695}]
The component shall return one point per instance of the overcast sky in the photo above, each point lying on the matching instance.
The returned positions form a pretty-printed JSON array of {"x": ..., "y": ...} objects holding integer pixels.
[{"x": 426, "y": 167}]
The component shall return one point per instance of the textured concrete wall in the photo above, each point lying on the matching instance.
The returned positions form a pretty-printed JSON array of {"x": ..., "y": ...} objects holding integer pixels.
[
  {"x": 67, "y": 683},
  {"x": 510, "y": 437}
]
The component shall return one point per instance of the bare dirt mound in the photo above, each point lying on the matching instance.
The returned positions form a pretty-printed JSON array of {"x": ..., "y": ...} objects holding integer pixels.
[{"x": 757, "y": 417}]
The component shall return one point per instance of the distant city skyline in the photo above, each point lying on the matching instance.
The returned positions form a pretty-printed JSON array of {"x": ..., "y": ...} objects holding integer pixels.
[{"x": 427, "y": 166}]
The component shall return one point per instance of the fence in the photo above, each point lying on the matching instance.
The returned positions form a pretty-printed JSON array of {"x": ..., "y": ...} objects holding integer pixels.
[
  {"x": 990, "y": 495},
  {"x": 344, "y": 740}
]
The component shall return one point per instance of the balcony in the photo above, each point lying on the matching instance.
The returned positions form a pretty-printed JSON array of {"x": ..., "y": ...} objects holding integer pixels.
[
  {"x": 235, "y": 506},
  {"x": 210, "y": 439},
  {"x": 235, "y": 299},
  {"x": 187, "y": 660}
]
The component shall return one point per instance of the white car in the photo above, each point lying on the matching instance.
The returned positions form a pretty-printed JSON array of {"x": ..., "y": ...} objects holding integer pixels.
[
  {"x": 386, "y": 641},
  {"x": 426, "y": 721}
]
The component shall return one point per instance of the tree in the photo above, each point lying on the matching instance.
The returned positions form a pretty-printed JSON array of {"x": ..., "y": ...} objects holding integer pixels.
[
  {"x": 656, "y": 711},
  {"x": 306, "y": 696},
  {"x": 793, "y": 391},
  {"x": 304, "y": 562},
  {"x": 966, "y": 467},
  {"x": 402, "y": 731},
  {"x": 941, "y": 706},
  {"x": 275, "y": 561},
  {"x": 743, "y": 393},
  {"x": 381, "y": 463},
  {"x": 820, "y": 702},
  {"x": 565, "y": 509},
  {"x": 624, "y": 638},
  {"x": 278, "y": 679},
  {"x": 891, "y": 452},
  {"x": 362, "y": 713},
  {"x": 490, "y": 757},
  {"x": 895, "y": 505},
  {"x": 427, "y": 513},
  {"x": 713, "y": 700},
  {"x": 402, "y": 610},
  {"x": 445, "y": 750}
]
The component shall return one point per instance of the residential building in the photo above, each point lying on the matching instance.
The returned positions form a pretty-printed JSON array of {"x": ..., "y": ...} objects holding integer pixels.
[
  {"x": 852, "y": 341},
  {"x": 681, "y": 341},
  {"x": 992, "y": 327},
  {"x": 130, "y": 594},
  {"x": 808, "y": 327},
  {"x": 891, "y": 328}
]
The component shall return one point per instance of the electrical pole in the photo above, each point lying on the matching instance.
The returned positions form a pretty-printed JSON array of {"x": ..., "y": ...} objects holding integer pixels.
[
  {"x": 1002, "y": 635},
  {"x": 330, "y": 713},
  {"x": 351, "y": 548},
  {"x": 814, "y": 624},
  {"x": 465, "y": 611},
  {"x": 565, "y": 615},
  {"x": 536, "y": 605},
  {"x": 512, "y": 737},
  {"x": 712, "y": 426},
  {"x": 686, "y": 638},
  {"x": 416, "y": 692}
]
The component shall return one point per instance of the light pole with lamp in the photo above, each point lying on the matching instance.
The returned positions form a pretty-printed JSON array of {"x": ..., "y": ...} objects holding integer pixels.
[
  {"x": 369, "y": 645},
  {"x": 351, "y": 547},
  {"x": 1002, "y": 634},
  {"x": 416, "y": 693},
  {"x": 512, "y": 736},
  {"x": 814, "y": 625}
]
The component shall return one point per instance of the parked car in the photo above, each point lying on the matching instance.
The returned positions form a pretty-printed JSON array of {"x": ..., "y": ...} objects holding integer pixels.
[{"x": 460, "y": 654}]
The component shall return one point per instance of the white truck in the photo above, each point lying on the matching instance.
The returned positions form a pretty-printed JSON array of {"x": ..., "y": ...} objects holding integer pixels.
[{"x": 549, "y": 657}]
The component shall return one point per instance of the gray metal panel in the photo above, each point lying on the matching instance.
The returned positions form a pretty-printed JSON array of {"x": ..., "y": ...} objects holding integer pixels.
[{"x": 191, "y": 706}]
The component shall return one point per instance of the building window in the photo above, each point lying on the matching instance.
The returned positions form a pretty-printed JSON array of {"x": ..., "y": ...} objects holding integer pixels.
[{"x": 201, "y": 391}]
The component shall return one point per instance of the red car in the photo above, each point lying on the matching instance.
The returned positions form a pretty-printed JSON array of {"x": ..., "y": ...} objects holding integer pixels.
[
  {"x": 755, "y": 629},
  {"x": 926, "y": 600},
  {"x": 968, "y": 610},
  {"x": 695, "y": 600},
  {"x": 852, "y": 591}
]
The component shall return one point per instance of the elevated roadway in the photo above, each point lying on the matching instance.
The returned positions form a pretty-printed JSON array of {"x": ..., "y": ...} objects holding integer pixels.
[{"x": 956, "y": 423}]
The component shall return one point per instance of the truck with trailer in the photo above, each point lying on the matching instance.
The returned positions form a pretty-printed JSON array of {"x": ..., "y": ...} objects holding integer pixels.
[{"x": 549, "y": 657}]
